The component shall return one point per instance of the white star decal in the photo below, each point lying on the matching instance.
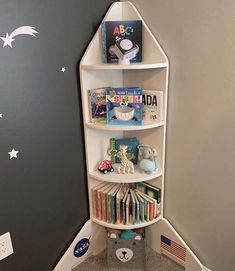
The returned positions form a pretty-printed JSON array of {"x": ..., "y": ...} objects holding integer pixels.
[
  {"x": 7, "y": 40},
  {"x": 63, "y": 69},
  {"x": 13, "y": 153},
  {"x": 0, "y": 115}
]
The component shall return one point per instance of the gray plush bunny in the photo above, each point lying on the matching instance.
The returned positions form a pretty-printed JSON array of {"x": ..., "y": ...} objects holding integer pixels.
[{"x": 147, "y": 158}]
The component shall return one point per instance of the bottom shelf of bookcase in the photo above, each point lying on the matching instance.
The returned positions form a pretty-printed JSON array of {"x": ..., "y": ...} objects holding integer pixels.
[{"x": 125, "y": 227}]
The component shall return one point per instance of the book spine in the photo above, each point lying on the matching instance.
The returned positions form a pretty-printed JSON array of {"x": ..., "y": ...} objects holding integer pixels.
[{"x": 103, "y": 35}]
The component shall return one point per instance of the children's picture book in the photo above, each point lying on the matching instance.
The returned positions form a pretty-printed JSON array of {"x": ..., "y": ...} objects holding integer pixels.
[
  {"x": 132, "y": 151},
  {"x": 97, "y": 105},
  {"x": 152, "y": 105},
  {"x": 122, "y": 41},
  {"x": 124, "y": 106}
]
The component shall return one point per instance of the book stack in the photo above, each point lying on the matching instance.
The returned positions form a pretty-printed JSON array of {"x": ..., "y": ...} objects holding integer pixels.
[{"x": 126, "y": 203}]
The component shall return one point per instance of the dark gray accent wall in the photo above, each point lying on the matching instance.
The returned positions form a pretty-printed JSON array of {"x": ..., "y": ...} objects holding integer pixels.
[{"x": 43, "y": 193}]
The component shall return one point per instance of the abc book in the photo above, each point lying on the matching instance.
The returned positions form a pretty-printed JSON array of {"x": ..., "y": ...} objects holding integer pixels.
[{"x": 122, "y": 39}]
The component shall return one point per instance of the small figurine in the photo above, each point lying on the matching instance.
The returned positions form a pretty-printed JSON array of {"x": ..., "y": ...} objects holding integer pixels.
[
  {"x": 146, "y": 159},
  {"x": 126, "y": 165},
  {"x": 106, "y": 166}
]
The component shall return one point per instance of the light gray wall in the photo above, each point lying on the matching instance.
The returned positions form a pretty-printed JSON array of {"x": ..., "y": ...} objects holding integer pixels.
[{"x": 198, "y": 37}]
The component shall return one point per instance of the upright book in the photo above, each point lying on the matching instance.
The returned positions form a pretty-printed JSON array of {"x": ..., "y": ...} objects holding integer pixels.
[
  {"x": 97, "y": 105},
  {"x": 124, "y": 106},
  {"x": 152, "y": 105},
  {"x": 122, "y": 41}
]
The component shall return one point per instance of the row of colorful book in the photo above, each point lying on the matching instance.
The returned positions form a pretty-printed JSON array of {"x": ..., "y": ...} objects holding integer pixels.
[
  {"x": 126, "y": 203},
  {"x": 125, "y": 106}
]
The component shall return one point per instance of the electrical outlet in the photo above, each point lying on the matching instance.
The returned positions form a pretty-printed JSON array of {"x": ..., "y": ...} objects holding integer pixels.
[{"x": 6, "y": 248}]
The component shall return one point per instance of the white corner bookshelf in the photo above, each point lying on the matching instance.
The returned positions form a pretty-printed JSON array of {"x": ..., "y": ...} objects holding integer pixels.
[{"x": 152, "y": 73}]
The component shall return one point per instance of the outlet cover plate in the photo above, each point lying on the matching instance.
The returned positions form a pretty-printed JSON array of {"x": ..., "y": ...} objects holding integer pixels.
[{"x": 6, "y": 248}]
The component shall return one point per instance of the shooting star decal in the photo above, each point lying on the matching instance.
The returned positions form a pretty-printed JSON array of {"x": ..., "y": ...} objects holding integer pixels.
[{"x": 23, "y": 30}]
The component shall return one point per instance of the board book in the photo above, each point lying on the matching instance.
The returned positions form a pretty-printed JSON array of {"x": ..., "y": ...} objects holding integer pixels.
[
  {"x": 152, "y": 105},
  {"x": 97, "y": 105},
  {"x": 124, "y": 106},
  {"x": 122, "y": 39}
]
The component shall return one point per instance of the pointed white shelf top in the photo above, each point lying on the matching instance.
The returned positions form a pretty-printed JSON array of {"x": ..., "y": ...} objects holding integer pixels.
[{"x": 153, "y": 55}]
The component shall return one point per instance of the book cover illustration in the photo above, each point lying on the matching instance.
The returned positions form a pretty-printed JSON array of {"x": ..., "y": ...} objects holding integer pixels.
[
  {"x": 152, "y": 105},
  {"x": 132, "y": 150},
  {"x": 97, "y": 104},
  {"x": 124, "y": 106},
  {"x": 122, "y": 41}
]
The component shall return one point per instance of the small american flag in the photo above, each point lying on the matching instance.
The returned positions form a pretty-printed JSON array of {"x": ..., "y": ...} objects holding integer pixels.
[{"x": 174, "y": 248}]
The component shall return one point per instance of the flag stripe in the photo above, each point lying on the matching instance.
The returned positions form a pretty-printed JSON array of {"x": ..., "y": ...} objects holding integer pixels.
[
  {"x": 176, "y": 253},
  {"x": 174, "y": 248}
]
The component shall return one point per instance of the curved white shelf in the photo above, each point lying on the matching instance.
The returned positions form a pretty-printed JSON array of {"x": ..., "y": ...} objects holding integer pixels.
[
  {"x": 134, "y": 66},
  {"x": 104, "y": 126},
  {"x": 125, "y": 227},
  {"x": 114, "y": 177}
]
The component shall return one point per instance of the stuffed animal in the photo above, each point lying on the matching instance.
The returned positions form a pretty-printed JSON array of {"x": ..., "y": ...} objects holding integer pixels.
[{"x": 147, "y": 159}]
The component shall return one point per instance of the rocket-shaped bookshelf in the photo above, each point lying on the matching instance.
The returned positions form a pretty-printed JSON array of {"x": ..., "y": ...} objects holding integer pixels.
[{"x": 151, "y": 73}]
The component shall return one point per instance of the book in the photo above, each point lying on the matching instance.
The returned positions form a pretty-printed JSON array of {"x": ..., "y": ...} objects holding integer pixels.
[
  {"x": 104, "y": 201},
  {"x": 152, "y": 105},
  {"x": 128, "y": 208},
  {"x": 97, "y": 105},
  {"x": 122, "y": 40},
  {"x": 133, "y": 207},
  {"x": 124, "y": 106},
  {"x": 124, "y": 206},
  {"x": 132, "y": 150},
  {"x": 95, "y": 198},
  {"x": 150, "y": 190},
  {"x": 141, "y": 207}
]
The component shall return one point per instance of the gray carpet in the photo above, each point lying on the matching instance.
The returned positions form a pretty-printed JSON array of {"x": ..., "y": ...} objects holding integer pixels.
[{"x": 154, "y": 262}]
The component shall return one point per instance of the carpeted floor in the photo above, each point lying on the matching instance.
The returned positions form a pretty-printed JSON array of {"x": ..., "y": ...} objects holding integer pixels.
[{"x": 154, "y": 262}]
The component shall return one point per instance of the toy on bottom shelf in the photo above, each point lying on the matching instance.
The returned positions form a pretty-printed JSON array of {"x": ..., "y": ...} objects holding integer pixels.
[
  {"x": 126, "y": 249},
  {"x": 146, "y": 158},
  {"x": 126, "y": 165},
  {"x": 106, "y": 166}
]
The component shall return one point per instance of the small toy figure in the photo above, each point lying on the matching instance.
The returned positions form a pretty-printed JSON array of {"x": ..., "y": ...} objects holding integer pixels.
[
  {"x": 146, "y": 158},
  {"x": 126, "y": 164},
  {"x": 106, "y": 166}
]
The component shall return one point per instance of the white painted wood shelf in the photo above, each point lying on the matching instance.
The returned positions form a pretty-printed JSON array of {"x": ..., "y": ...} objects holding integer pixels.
[
  {"x": 104, "y": 126},
  {"x": 136, "y": 66},
  {"x": 114, "y": 177},
  {"x": 125, "y": 227}
]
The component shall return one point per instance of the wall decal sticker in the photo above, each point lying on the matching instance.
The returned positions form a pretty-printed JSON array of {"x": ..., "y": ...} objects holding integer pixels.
[
  {"x": 23, "y": 30},
  {"x": 13, "y": 153},
  {"x": 81, "y": 247},
  {"x": 63, "y": 69}
]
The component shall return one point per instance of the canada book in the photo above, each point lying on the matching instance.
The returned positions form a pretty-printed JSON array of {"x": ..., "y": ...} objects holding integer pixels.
[
  {"x": 97, "y": 105},
  {"x": 122, "y": 40},
  {"x": 152, "y": 105},
  {"x": 124, "y": 106}
]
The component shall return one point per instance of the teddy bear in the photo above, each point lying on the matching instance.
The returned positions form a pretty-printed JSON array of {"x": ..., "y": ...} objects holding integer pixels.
[{"x": 147, "y": 159}]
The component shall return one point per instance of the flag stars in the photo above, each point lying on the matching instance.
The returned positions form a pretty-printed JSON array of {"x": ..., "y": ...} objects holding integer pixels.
[
  {"x": 63, "y": 69},
  {"x": 13, "y": 153},
  {"x": 1, "y": 116}
]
